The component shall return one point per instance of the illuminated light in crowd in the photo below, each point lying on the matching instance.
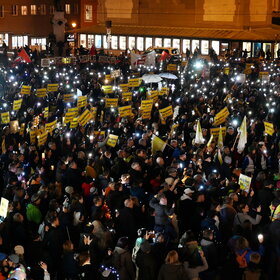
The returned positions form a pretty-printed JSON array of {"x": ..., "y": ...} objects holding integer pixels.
[
  {"x": 235, "y": 122},
  {"x": 38, "y": 104},
  {"x": 68, "y": 134}
]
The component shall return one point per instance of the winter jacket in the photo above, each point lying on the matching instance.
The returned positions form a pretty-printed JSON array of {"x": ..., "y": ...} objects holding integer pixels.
[
  {"x": 240, "y": 218},
  {"x": 33, "y": 214},
  {"x": 147, "y": 265},
  {"x": 193, "y": 272},
  {"x": 172, "y": 272}
]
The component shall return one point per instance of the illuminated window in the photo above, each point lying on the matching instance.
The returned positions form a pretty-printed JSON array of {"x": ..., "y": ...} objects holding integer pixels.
[
  {"x": 204, "y": 47},
  {"x": 83, "y": 40},
  {"x": 1, "y": 11},
  {"x": 90, "y": 39},
  {"x": 266, "y": 47},
  {"x": 105, "y": 43},
  {"x": 246, "y": 46},
  {"x": 158, "y": 42},
  {"x": 88, "y": 12},
  {"x": 140, "y": 43},
  {"x": 4, "y": 38},
  {"x": 195, "y": 44},
  {"x": 186, "y": 45},
  {"x": 167, "y": 42},
  {"x": 24, "y": 10},
  {"x": 122, "y": 43},
  {"x": 98, "y": 41},
  {"x": 131, "y": 43},
  {"x": 15, "y": 10},
  {"x": 41, "y": 42},
  {"x": 19, "y": 41},
  {"x": 114, "y": 43},
  {"x": 176, "y": 43},
  {"x": 51, "y": 9},
  {"x": 67, "y": 9},
  {"x": 33, "y": 9},
  {"x": 224, "y": 46},
  {"x": 43, "y": 10},
  {"x": 216, "y": 46},
  {"x": 149, "y": 42}
]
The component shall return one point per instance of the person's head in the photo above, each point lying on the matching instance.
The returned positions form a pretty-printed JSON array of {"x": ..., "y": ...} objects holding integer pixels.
[
  {"x": 160, "y": 161},
  {"x": 36, "y": 199},
  {"x": 174, "y": 143},
  {"x": 136, "y": 166},
  {"x": 13, "y": 260},
  {"x": 241, "y": 243},
  {"x": 125, "y": 178},
  {"x": 129, "y": 203},
  {"x": 255, "y": 258},
  {"x": 97, "y": 201},
  {"x": 172, "y": 257},
  {"x": 228, "y": 200},
  {"x": 123, "y": 243},
  {"x": 162, "y": 199},
  {"x": 68, "y": 246},
  {"x": 208, "y": 234},
  {"x": 18, "y": 218},
  {"x": 54, "y": 221},
  {"x": 234, "y": 196},
  {"x": 268, "y": 184},
  {"x": 243, "y": 208},
  {"x": 73, "y": 165}
]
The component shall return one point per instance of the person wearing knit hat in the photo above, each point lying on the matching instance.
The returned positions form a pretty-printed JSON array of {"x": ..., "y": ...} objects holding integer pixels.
[{"x": 17, "y": 270}]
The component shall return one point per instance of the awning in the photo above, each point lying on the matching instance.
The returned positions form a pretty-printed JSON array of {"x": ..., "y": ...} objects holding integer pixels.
[{"x": 267, "y": 34}]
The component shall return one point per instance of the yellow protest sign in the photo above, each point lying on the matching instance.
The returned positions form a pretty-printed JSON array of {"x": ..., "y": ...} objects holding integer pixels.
[
  {"x": 25, "y": 90},
  {"x": 244, "y": 182},
  {"x": 74, "y": 110},
  {"x": 107, "y": 89},
  {"x": 5, "y": 117},
  {"x": 41, "y": 92},
  {"x": 42, "y": 138},
  {"x": 99, "y": 133},
  {"x": 153, "y": 95},
  {"x": 74, "y": 123},
  {"x": 215, "y": 131},
  {"x": 269, "y": 128},
  {"x": 108, "y": 79},
  {"x": 134, "y": 82},
  {"x": 49, "y": 127},
  {"x": 123, "y": 87},
  {"x": 166, "y": 112},
  {"x": 221, "y": 116},
  {"x": 22, "y": 129},
  {"x": 52, "y": 87},
  {"x": 127, "y": 96},
  {"x": 85, "y": 117},
  {"x": 125, "y": 111},
  {"x": 164, "y": 91},
  {"x": 112, "y": 140},
  {"x": 226, "y": 70},
  {"x": 69, "y": 116},
  {"x": 32, "y": 135},
  {"x": 46, "y": 112},
  {"x": 17, "y": 104},
  {"x": 82, "y": 101},
  {"x": 69, "y": 97},
  {"x": 248, "y": 69},
  {"x": 146, "y": 105},
  {"x": 171, "y": 67},
  {"x": 146, "y": 115},
  {"x": 93, "y": 111},
  {"x": 111, "y": 102}
]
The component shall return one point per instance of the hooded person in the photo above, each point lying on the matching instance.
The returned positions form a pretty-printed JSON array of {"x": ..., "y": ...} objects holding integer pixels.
[{"x": 17, "y": 270}]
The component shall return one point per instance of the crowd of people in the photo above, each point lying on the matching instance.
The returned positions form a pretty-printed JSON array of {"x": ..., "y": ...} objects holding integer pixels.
[{"x": 82, "y": 208}]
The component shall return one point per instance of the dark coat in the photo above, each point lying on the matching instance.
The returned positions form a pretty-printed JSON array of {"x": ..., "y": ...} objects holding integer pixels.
[
  {"x": 147, "y": 265},
  {"x": 172, "y": 272}
]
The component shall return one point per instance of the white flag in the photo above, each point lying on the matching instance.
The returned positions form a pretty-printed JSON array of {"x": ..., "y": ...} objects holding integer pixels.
[
  {"x": 243, "y": 136},
  {"x": 134, "y": 59},
  {"x": 151, "y": 59},
  {"x": 198, "y": 135}
]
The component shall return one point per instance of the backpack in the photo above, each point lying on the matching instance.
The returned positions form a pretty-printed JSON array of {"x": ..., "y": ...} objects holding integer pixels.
[{"x": 241, "y": 260}]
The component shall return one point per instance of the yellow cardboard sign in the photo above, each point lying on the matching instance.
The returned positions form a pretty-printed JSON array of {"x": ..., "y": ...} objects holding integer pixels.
[
  {"x": 22, "y": 129},
  {"x": 134, "y": 82},
  {"x": 164, "y": 91},
  {"x": 153, "y": 95},
  {"x": 42, "y": 138},
  {"x": 46, "y": 112},
  {"x": 74, "y": 110},
  {"x": 269, "y": 128},
  {"x": 221, "y": 116},
  {"x": 166, "y": 112},
  {"x": 69, "y": 97},
  {"x": 248, "y": 69},
  {"x": 215, "y": 131},
  {"x": 111, "y": 102},
  {"x": 74, "y": 123},
  {"x": 69, "y": 116},
  {"x": 107, "y": 89},
  {"x": 85, "y": 117},
  {"x": 146, "y": 105},
  {"x": 127, "y": 96},
  {"x": 93, "y": 111},
  {"x": 25, "y": 90},
  {"x": 146, "y": 115},
  {"x": 108, "y": 79},
  {"x": 171, "y": 67},
  {"x": 5, "y": 117},
  {"x": 125, "y": 111},
  {"x": 123, "y": 87},
  {"x": 41, "y": 92},
  {"x": 226, "y": 70},
  {"x": 32, "y": 135},
  {"x": 82, "y": 101},
  {"x": 17, "y": 104},
  {"x": 112, "y": 140},
  {"x": 49, "y": 127},
  {"x": 244, "y": 182},
  {"x": 52, "y": 87}
]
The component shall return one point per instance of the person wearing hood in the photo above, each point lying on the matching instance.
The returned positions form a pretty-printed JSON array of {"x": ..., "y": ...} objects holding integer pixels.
[
  {"x": 122, "y": 260},
  {"x": 186, "y": 206},
  {"x": 172, "y": 269}
]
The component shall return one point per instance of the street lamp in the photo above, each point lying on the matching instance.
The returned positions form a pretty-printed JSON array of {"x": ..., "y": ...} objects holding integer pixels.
[{"x": 74, "y": 24}]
